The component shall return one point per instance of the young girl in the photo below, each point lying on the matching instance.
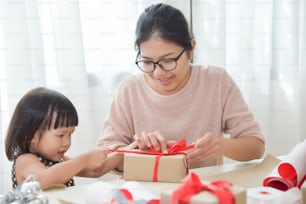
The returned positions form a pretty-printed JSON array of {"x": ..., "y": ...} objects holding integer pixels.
[{"x": 38, "y": 137}]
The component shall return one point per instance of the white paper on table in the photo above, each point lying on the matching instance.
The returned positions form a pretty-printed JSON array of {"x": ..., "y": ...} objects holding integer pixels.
[
  {"x": 99, "y": 192},
  {"x": 138, "y": 191},
  {"x": 102, "y": 192}
]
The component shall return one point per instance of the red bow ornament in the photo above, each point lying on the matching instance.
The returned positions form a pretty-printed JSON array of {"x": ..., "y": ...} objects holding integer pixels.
[
  {"x": 192, "y": 185},
  {"x": 178, "y": 148}
]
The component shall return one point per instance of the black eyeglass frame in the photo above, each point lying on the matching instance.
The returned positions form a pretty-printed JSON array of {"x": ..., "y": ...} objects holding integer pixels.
[{"x": 157, "y": 63}]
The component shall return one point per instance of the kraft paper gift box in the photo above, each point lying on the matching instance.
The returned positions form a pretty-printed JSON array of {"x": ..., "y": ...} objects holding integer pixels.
[
  {"x": 304, "y": 192},
  {"x": 205, "y": 196},
  {"x": 141, "y": 167}
]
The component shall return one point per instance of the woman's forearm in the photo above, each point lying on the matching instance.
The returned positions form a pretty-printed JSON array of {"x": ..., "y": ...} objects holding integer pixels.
[{"x": 243, "y": 149}]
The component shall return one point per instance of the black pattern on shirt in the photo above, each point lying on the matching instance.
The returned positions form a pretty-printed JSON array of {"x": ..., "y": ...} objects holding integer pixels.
[{"x": 46, "y": 162}]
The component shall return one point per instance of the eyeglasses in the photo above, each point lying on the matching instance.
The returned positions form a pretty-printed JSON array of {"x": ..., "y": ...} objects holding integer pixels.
[{"x": 167, "y": 64}]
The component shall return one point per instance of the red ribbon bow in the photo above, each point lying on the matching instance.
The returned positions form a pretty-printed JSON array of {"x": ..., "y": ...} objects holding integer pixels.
[
  {"x": 178, "y": 148},
  {"x": 192, "y": 185}
]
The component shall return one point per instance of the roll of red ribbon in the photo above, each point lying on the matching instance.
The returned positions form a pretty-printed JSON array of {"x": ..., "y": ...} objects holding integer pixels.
[{"x": 290, "y": 172}]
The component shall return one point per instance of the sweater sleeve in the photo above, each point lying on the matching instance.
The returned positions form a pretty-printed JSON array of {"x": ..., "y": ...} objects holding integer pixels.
[
  {"x": 117, "y": 129},
  {"x": 237, "y": 120}
]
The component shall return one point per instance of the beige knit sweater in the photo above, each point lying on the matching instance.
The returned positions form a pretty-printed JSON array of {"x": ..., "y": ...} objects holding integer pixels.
[{"x": 210, "y": 101}]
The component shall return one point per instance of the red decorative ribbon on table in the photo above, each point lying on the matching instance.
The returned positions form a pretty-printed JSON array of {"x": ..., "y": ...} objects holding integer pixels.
[
  {"x": 178, "y": 148},
  {"x": 287, "y": 178},
  {"x": 291, "y": 172},
  {"x": 192, "y": 185}
]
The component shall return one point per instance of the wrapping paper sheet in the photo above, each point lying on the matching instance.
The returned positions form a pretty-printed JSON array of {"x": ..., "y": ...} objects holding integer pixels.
[
  {"x": 291, "y": 171},
  {"x": 251, "y": 176}
]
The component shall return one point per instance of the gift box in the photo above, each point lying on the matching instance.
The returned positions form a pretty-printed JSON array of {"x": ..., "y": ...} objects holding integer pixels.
[
  {"x": 167, "y": 168},
  {"x": 195, "y": 191},
  {"x": 157, "y": 166},
  {"x": 304, "y": 192}
]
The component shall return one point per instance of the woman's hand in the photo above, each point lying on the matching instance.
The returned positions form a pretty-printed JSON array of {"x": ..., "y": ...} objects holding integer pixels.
[
  {"x": 206, "y": 148},
  {"x": 241, "y": 149},
  {"x": 153, "y": 139}
]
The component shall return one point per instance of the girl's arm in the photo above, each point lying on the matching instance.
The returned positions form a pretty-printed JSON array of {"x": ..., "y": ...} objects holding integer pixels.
[
  {"x": 59, "y": 173},
  {"x": 112, "y": 162}
]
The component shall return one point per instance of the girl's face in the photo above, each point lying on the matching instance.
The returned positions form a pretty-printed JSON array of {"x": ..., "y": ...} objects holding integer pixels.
[
  {"x": 165, "y": 82},
  {"x": 52, "y": 144}
]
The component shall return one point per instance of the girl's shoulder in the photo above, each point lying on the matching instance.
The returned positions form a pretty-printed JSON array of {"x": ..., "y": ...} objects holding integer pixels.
[
  {"x": 27, "y": 157},
  {"x": 25, "y": 163}
]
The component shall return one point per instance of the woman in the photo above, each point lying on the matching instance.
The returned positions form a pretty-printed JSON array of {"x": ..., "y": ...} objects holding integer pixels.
[{"x": 174, "y": 99}]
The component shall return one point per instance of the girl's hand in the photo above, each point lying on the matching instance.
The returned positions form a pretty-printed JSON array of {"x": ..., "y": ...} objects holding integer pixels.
[
  {"x": 153, "y": 139},
  {"x": 96, "y": 157},
  {"x": 206, "y": 148}
]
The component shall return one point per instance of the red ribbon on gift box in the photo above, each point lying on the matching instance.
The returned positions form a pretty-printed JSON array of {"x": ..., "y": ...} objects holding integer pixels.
[
  {"x": 178, "y": 148},
  {"x": 192, "y": 185}
]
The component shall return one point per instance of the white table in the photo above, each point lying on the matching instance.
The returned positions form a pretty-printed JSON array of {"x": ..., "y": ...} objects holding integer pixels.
[{"x": 77, "y": 194}]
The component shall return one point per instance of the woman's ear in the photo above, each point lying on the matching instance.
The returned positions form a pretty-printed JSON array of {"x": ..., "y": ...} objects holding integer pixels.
[{"x": 191, "y": 53}]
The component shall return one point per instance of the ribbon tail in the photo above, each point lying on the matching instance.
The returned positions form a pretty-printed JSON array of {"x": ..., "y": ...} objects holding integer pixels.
[{"x": 155, "y": 173}]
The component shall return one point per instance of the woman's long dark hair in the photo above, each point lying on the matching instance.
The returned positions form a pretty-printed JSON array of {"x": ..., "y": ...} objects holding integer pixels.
[{"x": 168, "y": 22}]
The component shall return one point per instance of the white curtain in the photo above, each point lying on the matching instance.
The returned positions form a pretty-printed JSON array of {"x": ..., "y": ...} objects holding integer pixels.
[
  {"x": 262, "y": 44},
  {"x": 41, "y": 45},
  {"x": 83, "y": 48},
  {"x": 80, "y": 48}
]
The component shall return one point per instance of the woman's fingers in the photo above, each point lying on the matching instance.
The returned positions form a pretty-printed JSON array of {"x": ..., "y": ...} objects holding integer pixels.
[
  {"x": 152, "y": 139},
  {"x": 206, "y": 148}
]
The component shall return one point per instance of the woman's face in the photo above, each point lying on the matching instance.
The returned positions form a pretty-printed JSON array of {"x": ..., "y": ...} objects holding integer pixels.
[{"x": 165, "y": 82}]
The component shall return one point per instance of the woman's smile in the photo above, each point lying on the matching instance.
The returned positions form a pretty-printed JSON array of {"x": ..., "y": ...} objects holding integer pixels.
[{"x": 165, "y": 81}]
